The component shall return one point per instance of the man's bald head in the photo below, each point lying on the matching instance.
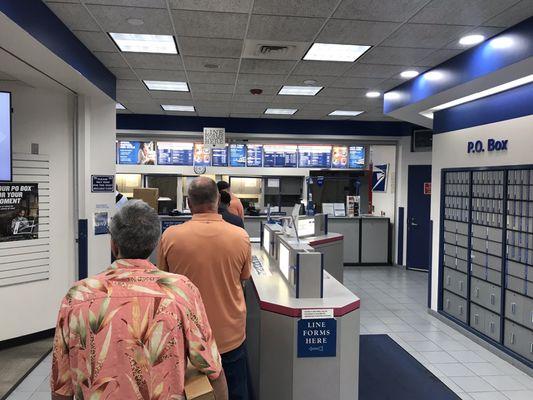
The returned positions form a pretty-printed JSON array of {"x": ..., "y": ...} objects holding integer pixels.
[{"x": 203, "y": 195}]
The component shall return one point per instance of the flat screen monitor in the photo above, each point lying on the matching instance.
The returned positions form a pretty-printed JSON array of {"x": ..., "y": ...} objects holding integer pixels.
[
  {"x": 314, "y": 156},
  {"x": 339, "y": 158},
  {"x": 357, "y": 157},
  {"x": 5, "y": 137},
  {"x": 135, "y": 152},
  {"x": 219, "y": 157},
  {"x": 170, "y": 153},
  {"x": 306, "y": 227},
  {"x": 254, "y": 155},
  {"x": 202, "y": 155},
  {"x": 284, "y": 260},
  {"x": 281, "y": 156},
  {"x": 266, "y": 240},
  {"x": 237, "y": 155}
]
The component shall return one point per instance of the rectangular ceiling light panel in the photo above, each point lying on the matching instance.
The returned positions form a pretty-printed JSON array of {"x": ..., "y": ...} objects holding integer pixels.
[
  {"x": 169, "y": 107},
  {"x": 167, "y": 85},
  {"x": 283, "y": 111},
  {"x": 335, "y": 52},
  {"x": 139, "y": 43},
  {"x": 345, "y": 113},
  {"x": 300, "y": 90},
  {"x": 119, "y": 106}
]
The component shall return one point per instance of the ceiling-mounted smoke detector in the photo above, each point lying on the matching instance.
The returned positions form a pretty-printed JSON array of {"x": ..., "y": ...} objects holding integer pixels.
[{"x": 272, "y": 50}]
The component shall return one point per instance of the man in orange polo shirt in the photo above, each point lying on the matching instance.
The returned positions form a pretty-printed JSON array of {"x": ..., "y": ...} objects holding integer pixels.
[
  {"x": 216, "y": 256},
  {"x": 235, "y": 206}
]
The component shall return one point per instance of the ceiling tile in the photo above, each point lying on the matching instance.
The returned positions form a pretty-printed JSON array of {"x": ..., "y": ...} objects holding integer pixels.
[
  {"x": 274, "y": 116},
  {"x": 75, "y": 16},
  {"x": 258, "y": 80},
  {"x": 322, "y": 80},
  {"x": 198, "y": 64},
  {"x": 96, "y": 41},
  {"x": 133, "y": 95},
  {"x": 341, "y": 92},
  {"x": 240, "y": 107},
  {"x": 244, "y": 88},
  {"x": 280, "y": 99},
  {"x": 123, "y": 73},
  {"x": 142, "y": 108},
  {"x": 245, "y": 115},
  {"x": 330, "y": 100},
  {"x": 390, "y": 84},
  {"x": 211, "y": 77},
  {"x": 213, "y": 113},
  {"x": 356, "y": 82},
  {"x": 154, "y": 61},
  {"x": 394, "y": 55},
  {"x": 211, "y": 88},
  {"x": 207, "y": 47},
  {"x": 356, "y": 32},
  {"x": 487, "y": 31},
  {"x": 425, "y": 35},
  {"x": 374, "y": 70},
  {"x": 181, "y": 113},
  {"x": 129, "y": 3},
  {"x": 295, "y": 29},
  {"x": 6, "y": 77},
  {"x": 264, "y": 98},
  {"x": 266, "y": 66},
  {"x": 111, "y": 59},
  {"x": 213, "y": 96},
  {"x": 461, "y": 12},
  {"x": 438, "y": 57},
  {"x": 161, "y": 75},
  {"x": 299, "y": 8},
  {"x": 210, "y": 24},
  {"x": 513, "y": 15},
  {"x": 170, "y": 96},
  {"x": 328, "y": 68},
  {"x": 115, "y": 19},
  {"x": 317, "y": 108},
  {"x": 130, "y": 84},
  {"x": 235, "y": 6},
  {"x": 379, "y": 10}
]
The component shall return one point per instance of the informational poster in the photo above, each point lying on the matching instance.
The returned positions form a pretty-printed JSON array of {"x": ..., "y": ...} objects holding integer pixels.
[
  {"x": 317, "y": 337},
  {"x": 357, "y": 157},
  {"x": 102, "y": 183},
  {"x": 136, "y": 153},
  {"x": 219, "y": 157},
  {"x": 170, "y": 153},
  {"x": 202, "y": 155},
  {"x": 19, "y": 211},
  {"x": 282, "y": 156},
  {"x": 5, "y": 136},
  {"x": 379, "y": 177},
  {"x": 237, "y": 155},
  {"x": 314, "y": 156},
  {"x": 254, "y": 155},
  {"x": 339, "y": 157},
  {"x": 101, "y": 223}
]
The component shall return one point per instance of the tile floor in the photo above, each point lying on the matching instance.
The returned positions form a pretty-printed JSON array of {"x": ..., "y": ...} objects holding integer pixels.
[{"x": 393, "y": 301}]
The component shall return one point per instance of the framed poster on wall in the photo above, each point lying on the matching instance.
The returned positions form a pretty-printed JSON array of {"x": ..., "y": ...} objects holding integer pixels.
[
  {"x": 19, "y": 211},
  {"x": 379, "y": 177}
]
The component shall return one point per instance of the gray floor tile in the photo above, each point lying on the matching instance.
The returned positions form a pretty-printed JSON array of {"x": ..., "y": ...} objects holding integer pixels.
[
  {"x": 503, "y": 383},
  {"x": 467, "y": 356},
  {"x": 519, "y": 395},
  {"x": 471, "y": 384},
  {"x": 488, "y": 396},
  {"x": 454, "y": 369},
  {"x": 438, "y": 357}
]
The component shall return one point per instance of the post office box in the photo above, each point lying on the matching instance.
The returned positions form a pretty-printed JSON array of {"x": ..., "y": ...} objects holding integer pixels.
[
  {"x": 485, "y": 294},
  {"x": 478, "y": 258},
  {"x": 455, "y": 281},
  {"x": 461, "y": 240},
  {"x": 449, "y": 226},
  {"x": 514, "y": 307},
  {"x": 492, "y": 325},
  {"x": 449, "y": 261},
  {"x": 516, "y": 269},
  {"x": 449, "y": 238},
  {"x": 519, "y": 340},
  {"x": 450, "y": 250},
  {"x": 528, "y": 312},
  {"x": 462, "y": 265},
  {"x": 454, "y": 305},
  {"x": 519, "y": 285},
  {"x": 479, "y": 231},
  {"x": 462, "y": 228},
  {"x": 462, "y": 253},
  {"x": 477, "y": 317},
  {"x": 494, "y": 234},
  {"x": 494, "y": 248},
  {"x": 494, "y": 262},
  {"x": 479, "y": 245},
  {"x": 486, "y": 274}
]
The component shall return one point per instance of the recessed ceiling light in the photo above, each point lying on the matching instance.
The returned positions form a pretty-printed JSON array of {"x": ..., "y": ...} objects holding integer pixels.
[
  {"x": 135, "y": 21},
  {"x": 345, "y": 113},
  {"x": 391, "y": 96},
  {"x": 373, "y": 94},
  {"x": 284, "y": 111},
  {"x": 300, "y": 90},
  {"x": 410, "y": 73},
  {"x": 169, "y": 107},
  {"x": 211, "y": 66},
  {"x": 501, "y": 42},
  {"x": 167, "y": 85},
  {"x": 140, "y": 43},
  {"x": 471, "y": 40},
  {"x": 310, "y": 82},
  {"x": 119, "y": 106},
  {"x": 433, "y": 75},
  {"x": 335, "y": 52}
]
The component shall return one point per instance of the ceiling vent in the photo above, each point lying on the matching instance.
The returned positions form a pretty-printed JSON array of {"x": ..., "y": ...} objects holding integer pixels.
[{"x": 270, "y": 50}]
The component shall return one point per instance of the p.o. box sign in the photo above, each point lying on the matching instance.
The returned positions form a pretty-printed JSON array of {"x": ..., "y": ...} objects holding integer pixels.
[{"x": 215, "y": 138}]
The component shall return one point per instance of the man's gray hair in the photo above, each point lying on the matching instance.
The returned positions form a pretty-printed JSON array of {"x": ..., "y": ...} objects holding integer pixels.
[
  {"x": 135, "y": 230},
  {"x": 203, "y": 191}
]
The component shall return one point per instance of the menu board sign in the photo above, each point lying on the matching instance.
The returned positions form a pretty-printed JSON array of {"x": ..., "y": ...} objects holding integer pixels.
[
  {"x": 170, "y": 153},
  {"x": 237, "y": 155},
  {"x": 357, "y": 157},
  {"x": 314, "y": 156},
  {"x": 202, "y": 155},
  {"x": 339, "y": 157},
  {"x": 282, "y": 156},
  {"x": 254, "y": 155},
  {"x": 219, "y": 157},
  {"x": 135, "y": 153}
]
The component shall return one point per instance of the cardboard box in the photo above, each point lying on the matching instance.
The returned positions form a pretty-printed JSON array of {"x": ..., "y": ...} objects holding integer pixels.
[
  {"x": 197, "y": 385},
  {"x": 148, "y": 195}
]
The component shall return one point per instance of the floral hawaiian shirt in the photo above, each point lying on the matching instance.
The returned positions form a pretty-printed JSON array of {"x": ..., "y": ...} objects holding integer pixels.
[{"x": 127, "y": 333}]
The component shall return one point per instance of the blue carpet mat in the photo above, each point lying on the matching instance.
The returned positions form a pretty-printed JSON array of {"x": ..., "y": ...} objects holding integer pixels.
[{"x": 388, "y": 372}]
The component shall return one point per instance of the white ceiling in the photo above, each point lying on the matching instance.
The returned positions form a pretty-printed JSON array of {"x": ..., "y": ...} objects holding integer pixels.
[{"x": 418, "y": 34}]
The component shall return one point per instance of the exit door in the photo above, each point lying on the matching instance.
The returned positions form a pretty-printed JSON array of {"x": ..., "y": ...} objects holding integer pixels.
[{"x": 418, "y": 216}]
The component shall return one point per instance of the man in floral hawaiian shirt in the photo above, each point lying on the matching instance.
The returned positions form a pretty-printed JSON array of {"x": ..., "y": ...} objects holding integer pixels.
[{"x": 127, "y": 332}]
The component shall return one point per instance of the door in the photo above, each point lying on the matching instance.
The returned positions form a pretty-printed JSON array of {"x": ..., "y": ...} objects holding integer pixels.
[{"x": 418, "y": 216}]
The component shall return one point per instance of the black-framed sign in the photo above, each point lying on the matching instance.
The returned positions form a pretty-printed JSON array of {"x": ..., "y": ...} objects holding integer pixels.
[{"x": 102, "y": 184}]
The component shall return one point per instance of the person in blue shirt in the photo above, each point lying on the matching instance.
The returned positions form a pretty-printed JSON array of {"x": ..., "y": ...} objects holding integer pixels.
[{"x": 225, "y": 200}]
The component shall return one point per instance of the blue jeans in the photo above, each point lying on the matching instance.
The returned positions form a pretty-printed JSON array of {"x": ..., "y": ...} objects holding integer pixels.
[{"x": 235, "y": 367}]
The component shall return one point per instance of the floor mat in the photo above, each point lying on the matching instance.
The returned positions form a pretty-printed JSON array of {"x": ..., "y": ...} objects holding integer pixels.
[{"x": 387, "y": 371}]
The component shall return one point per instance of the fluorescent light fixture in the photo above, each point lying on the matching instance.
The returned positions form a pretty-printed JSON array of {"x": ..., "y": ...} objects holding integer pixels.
[
  {"x": 335, "y": 52},
  {"x": 471, "y": 40},
  {"x": 167, "y": 85},
  {"x": 433, "y": 75},
  {"x": 391, "y": 96},
  {"x": 139, "y": 43},
  {"x": 169, "y": 107},
  {"x": 119, "y": 106},
  {"x": 373, "y": 94},
  {"x": 484, "y": 93},
  {"x": 283, "y": 111},
  {"x": 501, "y": 42},
  {"x": 410, "y": 73},
  {"x": 345, "y": 113},
  {"x": 300, "y": 90}
]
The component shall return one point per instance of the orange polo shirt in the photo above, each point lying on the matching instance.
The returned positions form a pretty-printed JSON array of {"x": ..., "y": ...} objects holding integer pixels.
[
  {"x": 235, "y": 206},
  {"x": 216, "y": 256}
]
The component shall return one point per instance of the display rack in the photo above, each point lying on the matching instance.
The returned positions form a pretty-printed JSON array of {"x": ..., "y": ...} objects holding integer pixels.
[{"x": 486, "y": 263}]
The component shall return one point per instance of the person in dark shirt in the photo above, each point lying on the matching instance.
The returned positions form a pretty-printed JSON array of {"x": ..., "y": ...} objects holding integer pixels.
[{"x": 227, "y": 216}]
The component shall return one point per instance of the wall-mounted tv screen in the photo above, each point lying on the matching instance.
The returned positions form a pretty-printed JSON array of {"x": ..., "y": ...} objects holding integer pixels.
[
  {"x": 219, "y": 157},
  {"x": 135, "y": 153},
  {"x": 5, "y": 137},
  {"x": 202, "y": 155},
  {"x": 170, "y": 153},
  {"x": 237, "y": 155},
  {"x": 314, "y": 156},
  {"x": 254, "y": 155},
  {"x": 357, "y": 157},
  {"x": 280, "y": 155},
  {"x": 339, "y": 158}
]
